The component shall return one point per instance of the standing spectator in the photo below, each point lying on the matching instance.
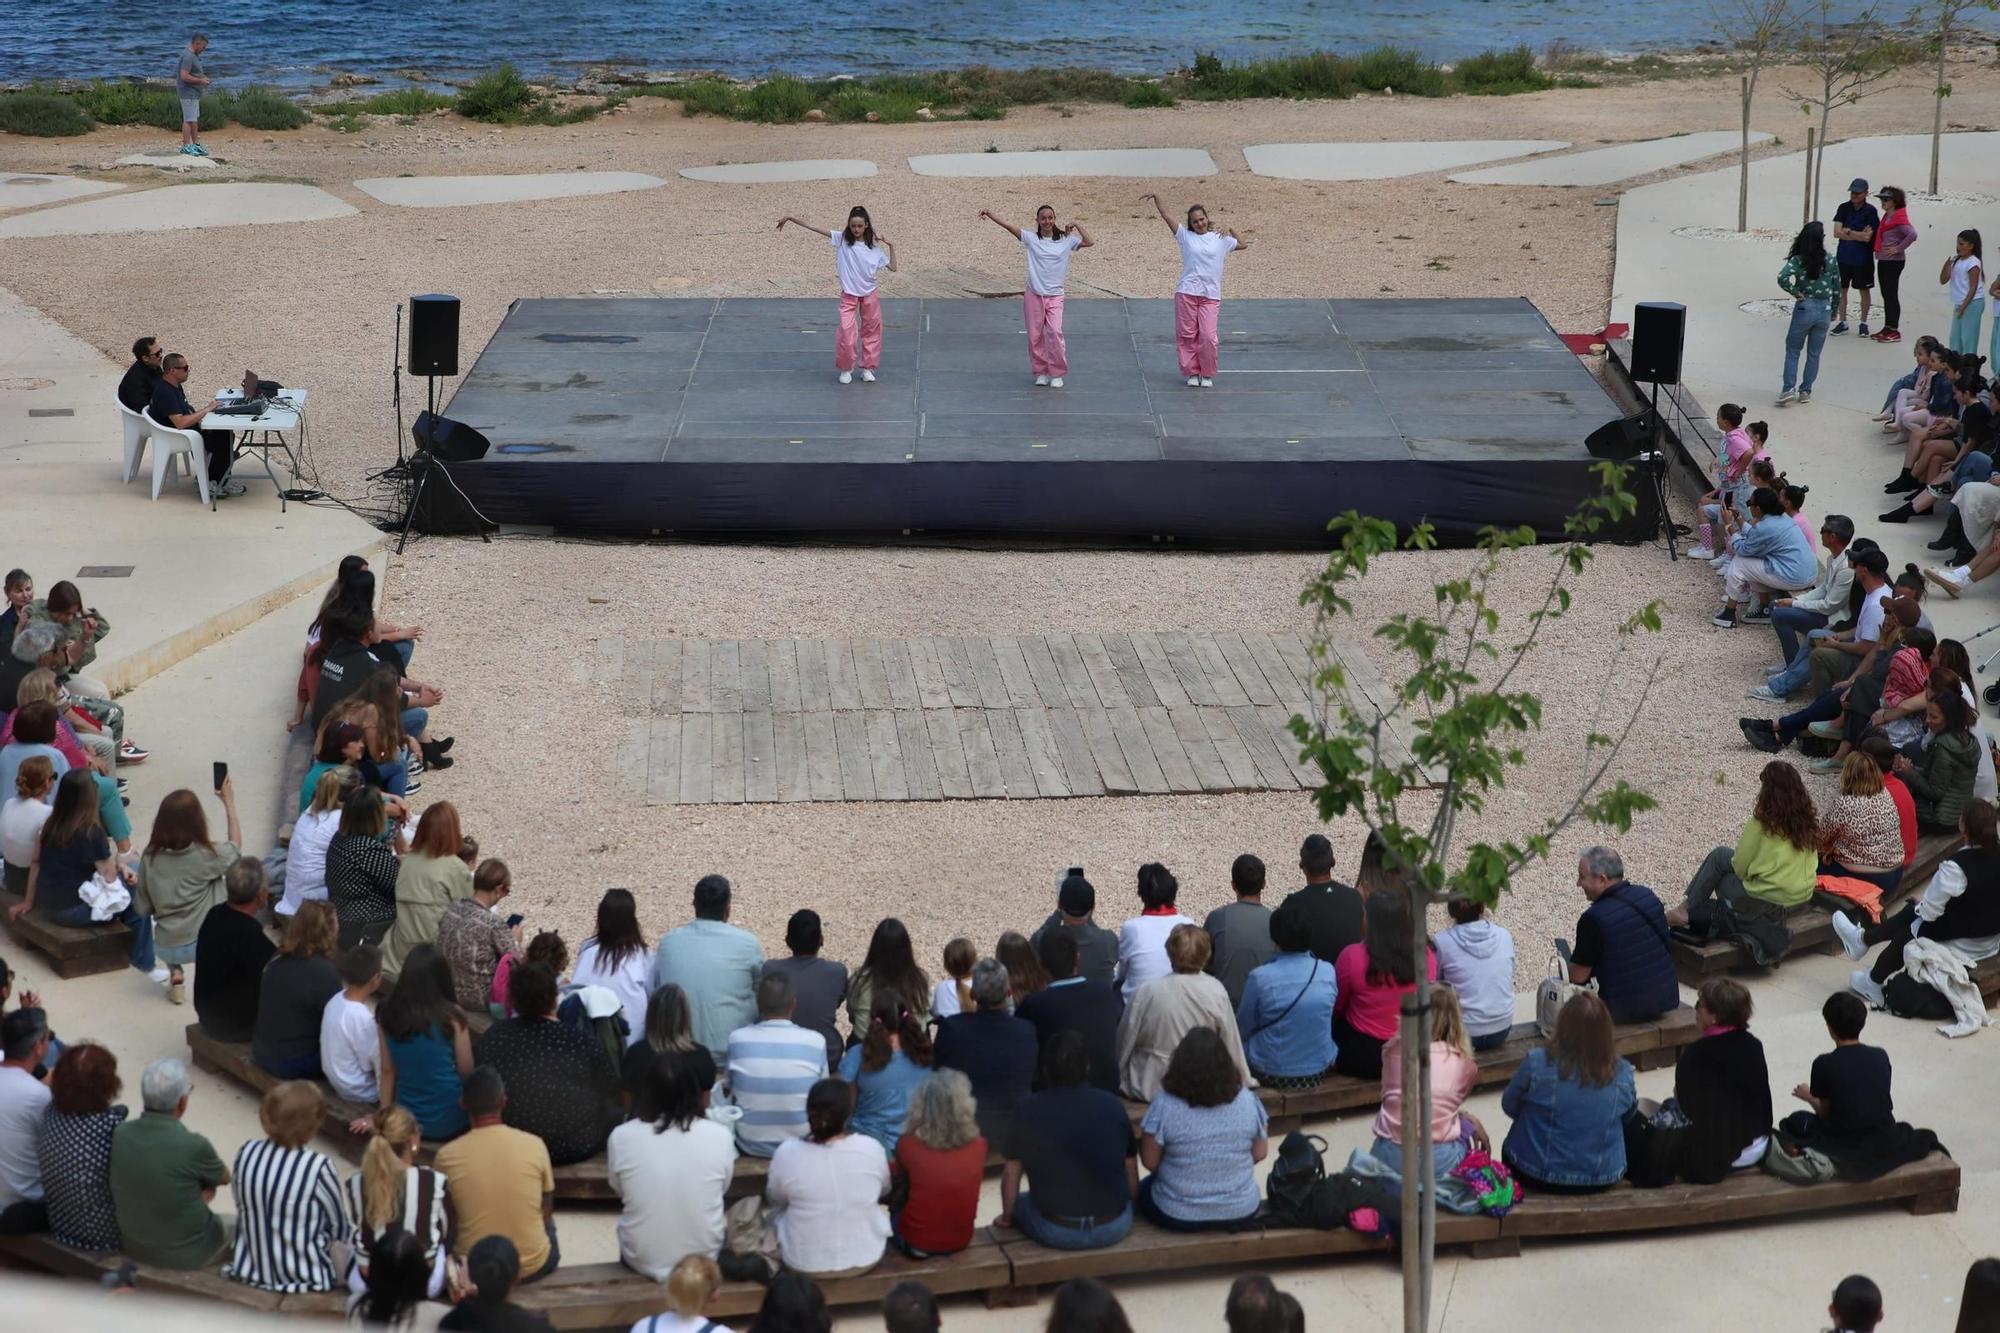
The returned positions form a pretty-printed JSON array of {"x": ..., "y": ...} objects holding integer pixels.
[
  {"x": 293, "y": 993},
  {"x": 430, "y": 879},
  {"x": 391, "y": 1193},
  {"x": 1333, "y": 909},
  {"x": 1201, "y": 1139},
  {"x": 499, "y": 1182},
  {"x": 771, "y": 1067},
  {"x": 826, "y": 1191},
  {"x": 893, "y": 1058},
  {"x": 668, "y": 1032},
  {"x": 1961, "y": 276},
  {"x": 1811, "y": 282},
  {"x": 350, "y": 1048},
  {"x": 473, "y": 937},
  {"x": 230, "y": 953},
  {"x": 361, "y": 870},
  {"x": 1370, "y": 980},
  {"x": 717, "y": 964},
  {"x": 426, "y": 1047},
  {"x": 672, "y": 1168},
  {"x": 1142, "y": 940},
  {"x": 1096, "y": 947},
  {"x": 164, "y": 1176},
  {"x": 189, "y": 81},
  {"x": 180, "y": 877},
  {"x": 1286, "y": 1017},
  {"x": 909, "y": 1308},
  {"x": 1568, "y": 1102},
  {"x": 1074, "y": 1143},
  {"x": 74, "y": 1147},
  {"x": 937, "y": 1163},
  {"x": 24, "y": 1098},
  {"x": 1854, "y": 225},
  {"x": 1074, "y": 1003},
  {"x": 1893, "y": 238},
  {"x": 289, "y": 1211},
  {"x": 1476, "y": 959},
  {"x": 493, "y": 1266},
  {"x": 1240, "y": 933},
  {"x": 1621, "y": 940},
  {"x": 618, "y": 958},
  {"x": 992, "y": 1048},
  {"x": 818, "y": 984},
  {"x": 1167, "y": 1009},
  {"x": 135, "y": 388},
  {"x": 72, "y": 851},
  {"x": 891, "y": 964},
  {"x": 565, "y": 1086}
]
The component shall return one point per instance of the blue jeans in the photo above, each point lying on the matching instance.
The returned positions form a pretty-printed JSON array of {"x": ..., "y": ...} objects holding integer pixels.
[
  {"x": 1788, "y": 621},
  {"x": 1098, "y": 1235},
  {"x": 1444, "y": 1156},
  {"x": 404, "y": 649},
  {"x": 1493, "y": 1040},
  {"x": 140, "y": 923},
  {"x": 1823, "y": 709},
  {"x": 1975, "y": 466},
  {"x": 1810, "y": 319},
  {"x": 1965, "y": 327},
  {"x": 1798, "y": 670},
  {"x": 414, "y": 722},
  {"x": 1160, "y": 1217}
]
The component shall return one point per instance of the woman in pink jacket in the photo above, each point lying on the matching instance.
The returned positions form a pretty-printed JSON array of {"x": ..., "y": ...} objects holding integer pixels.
[
  {"x": 1454, "y": 1133},
  {"x": 1893, "y": 239}
]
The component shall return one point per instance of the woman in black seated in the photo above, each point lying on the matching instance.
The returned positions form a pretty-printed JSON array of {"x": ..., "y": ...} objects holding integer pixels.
[
  {"x": 397, "y": 1296},
  {"x": 561, "y": 1083},
  {"x": 493, "y": 1266},
  {"x": 293, "y": 993},
  {"x": 669, "y": 1031},
  {"x": 361, "y": 870},
  {"x": 1719, "y": 1118}
]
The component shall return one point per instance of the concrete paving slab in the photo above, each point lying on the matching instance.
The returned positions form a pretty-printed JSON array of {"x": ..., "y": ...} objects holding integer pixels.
[
  {"x": 1602, "y": 166},
  {"x": 171, "y": 159},
  {"x": 27, "y": 190},
  {"x": 780, "y": 173},
  {"x": 1069, "y": 162},
  {"x": 1382, "y": 161},
  {"x": 464, "y": 191},
  {"x": 181, "y": 208}
]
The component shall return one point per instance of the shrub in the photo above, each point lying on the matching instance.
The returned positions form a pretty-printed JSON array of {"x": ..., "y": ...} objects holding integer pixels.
[
  {"x": 985, "y": 111},
  {"x": 496, "y": 96},
  {"x": 396, "y": 102},
  {"x": 119, "y": 103},
  {"x": 778, "y": 100},
  {"x": 854, "y": 102},
  {"x": 266, "y": 109},
  {"x": 715, "y": 97},
  {"x": 1402, "y": 69},
  {"x": 1494, "y": 72},
  {"x": 1147, "y": 94},
  {"x": 42, "y": 115}
]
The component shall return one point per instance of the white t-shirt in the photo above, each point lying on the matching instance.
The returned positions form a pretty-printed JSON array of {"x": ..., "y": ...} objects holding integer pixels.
[
  {"x": 631, "y": 981},
  {"x": 305, "y": 859},
  {"x": 1868, "y": 623},
  {"x": 944, "y": 999},
  {"x": 858, "y": 265},
  {"x": 828, "y": 1202},
  {"x": 1048, "y": 261},
  {"x": 1201, "y": 261},
  {"x": 672, "y": 1183},
  {"x": 1984, "y": 783},
  {"x": 23, "y": 1098},
  {"x": 21, "y": 823},
  {"x": 1961, "y": 278},
  {"x": 1142, "y": 950},
  {"x": 668, "y": 1322},
  {"x": 349, "y": 1049}
]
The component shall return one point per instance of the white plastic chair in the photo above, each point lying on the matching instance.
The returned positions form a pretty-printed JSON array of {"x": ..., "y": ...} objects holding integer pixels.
[
  {"x": 137, "y": 430},
  {"x": 169, "y": 446}
]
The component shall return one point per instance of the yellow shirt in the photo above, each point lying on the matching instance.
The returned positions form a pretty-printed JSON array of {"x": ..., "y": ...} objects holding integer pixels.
[
  {"x": 495, "y": 1177},
  {"x": 1772, "y": 869}
]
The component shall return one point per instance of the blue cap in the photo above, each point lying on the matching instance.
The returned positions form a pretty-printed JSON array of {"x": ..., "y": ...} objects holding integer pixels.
[{"x": 1857, "y": 186}]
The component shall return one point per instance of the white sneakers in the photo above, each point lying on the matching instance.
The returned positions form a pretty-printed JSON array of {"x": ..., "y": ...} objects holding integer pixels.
[
  {"x": 847, "y": 377},
  {"x": 1055, "y": 382},
  {"x": 1953, "y": 581},
  {"x": 867, "y": 377},
  {"x": 1207, "y": 383},
  {"x": 1701, "y": 553},
  {"x": 1194, "y": 381},
  {"x": 1041, "y": 381},
  {"x": 1865, "y": 986},
  {"x": 1850, "y": 936}
]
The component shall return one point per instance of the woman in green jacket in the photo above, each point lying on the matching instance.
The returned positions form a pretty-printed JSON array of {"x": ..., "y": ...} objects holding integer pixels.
[
  {"x": 1771, "y": 870},
  {"x": 430, "y": 879},
  {"x": 1939, "y": 769}
]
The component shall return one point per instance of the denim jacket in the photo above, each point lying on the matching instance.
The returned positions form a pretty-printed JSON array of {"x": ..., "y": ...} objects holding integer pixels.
[
  {"x": 1563, "y": 1132},
  {"x": 1286, "y": 1016}
]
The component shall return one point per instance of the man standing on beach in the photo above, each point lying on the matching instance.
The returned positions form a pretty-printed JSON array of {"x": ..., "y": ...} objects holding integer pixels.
[{"x": 188, "y": 83}]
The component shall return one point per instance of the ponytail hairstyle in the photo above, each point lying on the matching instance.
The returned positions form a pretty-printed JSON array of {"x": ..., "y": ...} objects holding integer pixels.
[
  {"x": 330, "y": 792},
  {"x": 1809, "y": 248},
  {"x": 828, "y": 1107},
  {"x": 382, "y": 1168},
  {"x": 1759, "y": 431},
  {"x": 1971, "y": 236},
  {"x": 1794, "y": 496},
  {"x": 887, "y": 1014},
  {"x": 1730, "y": 415},
  {"x": 867, "y": 227},
  {"x": 1981, "y": 824},
  {"x": 1765, "y": 473}
]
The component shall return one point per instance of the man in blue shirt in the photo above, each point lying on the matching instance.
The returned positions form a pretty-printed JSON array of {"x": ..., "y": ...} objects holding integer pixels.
[
  {"x": 1854, "y": 224},
  {"x": 716, "y": 964},
  {"x": 170, "y": 407}
]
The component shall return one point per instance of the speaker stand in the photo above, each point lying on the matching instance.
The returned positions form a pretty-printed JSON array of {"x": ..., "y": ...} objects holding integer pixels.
[{"x": 1657, "y": 465}]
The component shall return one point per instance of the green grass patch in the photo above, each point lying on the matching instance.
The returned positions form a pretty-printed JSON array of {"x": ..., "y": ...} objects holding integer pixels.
[
  {"x": 778, "y": 100},
  {"x": 265, "y": 109},
  {"x": 985, "y": 111},
  {"x": 344, "y": 122},
  {"x": 395, "y": 102},
  {"x": 703, "y": 97},
  {"x": 895, "y": 108},
  {"x": 1497, "y": 73},
  {"x": 42, "y": 115},
  {"x": 1147, "y": 94},
  {"x": 137, "y": 104},
  {"x": 497, "y": 96}
]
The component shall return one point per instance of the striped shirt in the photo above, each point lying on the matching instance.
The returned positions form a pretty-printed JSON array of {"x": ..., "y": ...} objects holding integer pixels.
[
  {"x": 771, "y": 1067},
  {"x": 288, "y": 1214}
]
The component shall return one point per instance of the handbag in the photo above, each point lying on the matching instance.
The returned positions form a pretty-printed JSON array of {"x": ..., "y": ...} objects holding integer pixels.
[{"x": 1555, "y": 991}]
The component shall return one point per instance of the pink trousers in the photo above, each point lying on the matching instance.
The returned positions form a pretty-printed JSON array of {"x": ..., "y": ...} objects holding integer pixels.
[
  {"x": 1047, "y": 354},
  {"x": 862, "y": 315},
  {"x": 1194, "y": 333}
]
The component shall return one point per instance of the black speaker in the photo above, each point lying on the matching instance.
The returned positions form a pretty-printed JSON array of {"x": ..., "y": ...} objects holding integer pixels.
[
  {"x": 434, "y": 335},
  {"x": 1658, "y": 330},
  {"x": 452, "y": 441}
]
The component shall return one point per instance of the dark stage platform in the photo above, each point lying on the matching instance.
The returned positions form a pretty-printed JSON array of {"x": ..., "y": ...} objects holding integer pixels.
[{"x": 723, "y": 417}]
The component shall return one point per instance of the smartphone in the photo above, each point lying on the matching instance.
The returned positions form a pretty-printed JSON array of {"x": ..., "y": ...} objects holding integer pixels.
[
  {"x": 221, "y": 774},
  {"x": 515, "y": 919}
]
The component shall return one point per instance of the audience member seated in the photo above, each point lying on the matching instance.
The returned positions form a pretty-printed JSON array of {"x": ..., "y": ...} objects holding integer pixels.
[
  {"x": 293, "y": 995},
  {"x": 672, "y": 1167},
  {"x": 1201, "y": 1140},
  {"x": 288, "y": 1207},
  {"x": 170, "y": 407},
  {"x": 473, "y": 937},
  {"x": 426, "y": 1047},
  {"x": 135, "y": 387},
  {"x": 1476, "y": 959},
  {"x": 493, "y": 1267},
  {"x": 691, "y": 1289},
  {"x": 1568, "y": 1102},
  {"x": 1332, "y": 908},
  {"x": 771, "y": 1067},
  {"x": 80, "y": 738},
  {"x": 230, "y": 952},
  {"x": 1096, "y": 947},
  {"x": 361, "y": 870},
  {"x": 1370, "y": 980},
  {"x": 1025, "y": 974},
  {"x": 1719, "y": 1118},
  {"x": 73, "y": 854},
  {"x": 547, "y": 948},
  {"x": 20, "y": 589},
  {"x": 22, "y": 817},
  {"x": 73, "y": 1146},
  {"x": 716, "y": 964},
  {"x": 395, "y": 1289},
  {"x": 312, "y": 833},
  {"x": 1770, "y": 873},
  {"x": 1959, "y": 909},
  {"x": 391, "y": 1194},
  {"x": 355, "y": 662},
  {"x": 793, "y": 1303},
  {"x": 1861, "y": 833},
  {"x": 430, "y": 879},
  {"x": 343, "y": 746},
  {"x": 1852, "y": 1110},
  {"x": 499, "y": 1182},
  {"x": 936, "y": 1166},
  {"x": 24, "y": 1099},
  {"x": 1074, "y": 1003},
  {"x": 890, "y": 964},
  {"x": 826, "y": 1191},
  {"x": 164, "y": 1176},
  {"x": 1286, "y": 1017},
  {"x": 953, "y": 992},
  {"x": 618, "y": 958},
  {"x": 1167, "y": 1009},
  {"x": 1770, "y": 556},
  {"x": 668, "y": 1031},
  {"x": 565, "y": 1087},
  {"x": 1142, "y": 940},
  {"x": 1240, "y": 933},
  {"x": 1621, "y": 941},
  {"x": 83, "y": 627},
  {"x": 1940, "y": 769},
  {"x": 892, "y": 1059},
  {"x": 34, "y": 729},
  {"x": 992, "y": 1048},
  {"x": 36, "y": 646},
  {"x": 818, "y": 984},
  {"x": 1454, "y": 1133},
  {"x": 1075, "y": 1146}
]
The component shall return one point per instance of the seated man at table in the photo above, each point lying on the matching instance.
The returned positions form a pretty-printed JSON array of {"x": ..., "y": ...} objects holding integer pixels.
[
  {"x": 136, "y": 389},
  {"x": 171, "y": 408}
]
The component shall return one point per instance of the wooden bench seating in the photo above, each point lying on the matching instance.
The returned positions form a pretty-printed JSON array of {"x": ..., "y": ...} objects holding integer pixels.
[{"x": 73, "y": 951}]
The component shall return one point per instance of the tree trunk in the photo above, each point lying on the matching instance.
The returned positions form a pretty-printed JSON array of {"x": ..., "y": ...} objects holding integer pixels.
[
  {"x": 1819, "y": 156},
  {"x": 1743, "y": 159},
  {"x": 1419, "y": 1191},
  {"x": 1937, "y": 101}
]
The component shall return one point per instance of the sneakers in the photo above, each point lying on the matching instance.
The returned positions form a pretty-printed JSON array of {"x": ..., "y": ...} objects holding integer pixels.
[
  {"x": 847, "y": 377},
  {"x": 1787, "y": 398},
  {"x": 1720, "y": 563},
  {"x": 1865, "y": 986},
  {"x": 1850, "y": 936},
  {"x": 1765, "y": 693},
  {"x": 1941, "y": 489},
  {"x": 131, "y": 752},
  {"x": 1725, "y": 618},
  {"x": 1771, "y": 671},
  {"x": 1041, "y": 381},
  {"x": 1864, "y": 328},
  {"x": 160, "y": 976},
  {"x": 1760, "y": 616},
  {"x": 1805, "y": 396},
  {"x": 1701, "y": 553},
  {"x": 1761, "y": 734},
  {"x": 1888, "y": 336},
  {"x": 1055, "y": 381},
  {"x": 199, "y": 151},
  {"x": 189, "y": 150},
  {"x": 1827, "y": 765},
  {"x": 412, "y": 787},
  {"x": 1950, "y": 580},
  {"x": 1842, "y": 328},
  {"x": 1828, "y": 730},
  {"x": 1194, "y": 381},
  {"x": 867, "y": 377},
  {"x": 1207, "y": 383},
  {"x": 226, "y": 489},
  {"x": 177, "y": 991}
]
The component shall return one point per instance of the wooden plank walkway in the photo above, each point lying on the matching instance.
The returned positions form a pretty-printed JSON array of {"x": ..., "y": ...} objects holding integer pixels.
[{"x": 1014, "y": 717}]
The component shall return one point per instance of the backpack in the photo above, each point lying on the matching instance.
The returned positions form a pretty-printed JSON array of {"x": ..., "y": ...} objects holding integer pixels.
[
  {"x": 1299, "y": 1166},
  {"x": 1792, "y": 1161}
]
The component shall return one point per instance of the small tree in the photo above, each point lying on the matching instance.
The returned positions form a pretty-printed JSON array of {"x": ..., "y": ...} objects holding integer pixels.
[
  {"x": 1947, "y": 13},
  {"x": 1467, "y": 730},
  {"x": 1756, "y": 28},
  {"x": 1846, "y": 63}
]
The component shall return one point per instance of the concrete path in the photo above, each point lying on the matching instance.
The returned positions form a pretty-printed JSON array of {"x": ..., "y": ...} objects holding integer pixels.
[
  {"x": 181, "y": 208},
  {"x": 461, "y": 191},
  {"x": 1602, "y": 166},
  {"x": 780, "y": 173},
  {"x": 20, "y": 190},
  {"x": 171, "y": 159},
  {"x": 1069, "y": 162},
  {"x": 1381, "y": 161}
]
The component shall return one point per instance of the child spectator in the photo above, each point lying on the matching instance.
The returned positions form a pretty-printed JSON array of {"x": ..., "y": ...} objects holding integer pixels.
[
  {"x": 954, "y": 993},
  {"x": 547, "y": 948},
  {"x": 468, "y": 851},
  {"x": 1849, "y": 1092},
  {"x": 1857, "y": 1304},
  {"x": 1476, "y": 959},
  {"x": 350, "y": 1049}
]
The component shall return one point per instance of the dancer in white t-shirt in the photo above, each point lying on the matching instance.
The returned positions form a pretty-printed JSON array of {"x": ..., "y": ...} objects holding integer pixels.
[
  {"x": 1049, "y": 249},
  {"x": 1198, "y": 298},
  {"x": 859, "y": 254}
]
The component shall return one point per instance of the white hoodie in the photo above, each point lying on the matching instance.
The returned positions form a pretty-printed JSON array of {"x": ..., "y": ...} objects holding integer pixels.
[{"x": 1477, "y": 960}]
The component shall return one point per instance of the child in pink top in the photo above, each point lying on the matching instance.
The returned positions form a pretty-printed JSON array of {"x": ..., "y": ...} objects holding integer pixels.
[
  {"x": 1453, "y": 1072},
  {"x": 1369, "y": 985}
]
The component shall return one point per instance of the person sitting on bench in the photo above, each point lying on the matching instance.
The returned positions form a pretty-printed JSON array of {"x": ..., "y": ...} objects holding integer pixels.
[
  {"x": 1074, "y": 1144},
  {"x": 770, "y": 1070},
  {"x": 473, "y": 937},
  {"x": 671, "y": 1165},
  {"x": 21, "y": 818},
  {"x": 1849, "y": 1094},
  {"x": 493, "y": 1267},
  {"x": 824, "y": 1190},
  {"x": 1201, "y": 1140},
  {"x": 1454, "y": 1133},
  {"x": 893, "y": 1058},
  {"x": 293, "y": 994},
  {"x": 1142, "y": 940},
  {"x": 430, "y": 879},
  {"x": 1096, "y": 947},
  {"x": 1959, "y": 908},
  {"x": 361, "y": 869},
  {"x": 1861, "y": 833},
  {"x": 74, "y": 1145},
  {"x": 1240, "y": 932},
  {"x": 350, "y": 1048},
  {"x": 1568, "y": 1102},
  {"x": 1370, "y": 980},
  {"x": 499, "y": 1182},
  {"x": 565, "y": 1084},
  {"x": 73, "y": 853},
  {"x": 164, "y": 1177},
  {"x": 1719, "y": 1118},
  {"x": 391, "y": 1193},
  {"x": 426, "y": 1046},
  {"x": 1770, "y": 873},
  {"x": 1073, "y": 1002},
  {"x": 229, "y": 955},
  {"x": 1166, "y": 1009},
  {"x": 1476, "y": 959},
  {"x": 818, "y": 984},
  {"x": 24, "y": 1097},
  {"x": 992, "y": 1048},
  {"x": 289, "y": 1213},
  {"x": 1333, "y": 909},
  {"x": 1941, "y": 767},
  {"x": 1286, "y": 1017},
  {"x": 669, "y": 1031},
  {"x": 936, "y": 1165}
]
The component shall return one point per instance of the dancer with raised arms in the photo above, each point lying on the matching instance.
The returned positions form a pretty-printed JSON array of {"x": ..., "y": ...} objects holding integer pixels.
[
  {"x": 1198, "y": 298},
  {"x": 859, "y": 254},
  {"x": 1049, "y": 249}
]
